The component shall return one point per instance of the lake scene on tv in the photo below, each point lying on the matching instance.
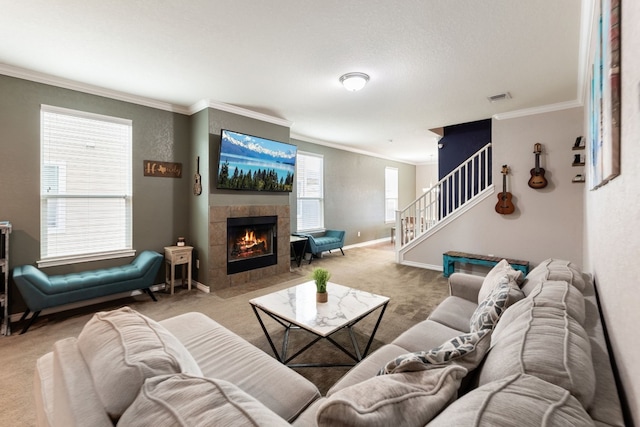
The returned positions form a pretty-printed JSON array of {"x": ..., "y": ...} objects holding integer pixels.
[{"x": 252, "y": 163}]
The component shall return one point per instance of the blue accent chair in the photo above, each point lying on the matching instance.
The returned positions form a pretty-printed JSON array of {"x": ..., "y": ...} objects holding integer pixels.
[
  {"x": 41, "y": 291},
  {"x": 331, "y": 239}
]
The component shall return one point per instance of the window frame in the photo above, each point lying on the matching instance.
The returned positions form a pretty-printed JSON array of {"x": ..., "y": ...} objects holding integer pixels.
[
  {"x": 395, "y": 195},
  {"x": 64, "y": 197},
  {"x": 302, "y": 197}
]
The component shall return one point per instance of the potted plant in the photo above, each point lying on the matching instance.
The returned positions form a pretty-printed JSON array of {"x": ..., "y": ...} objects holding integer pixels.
[{"x": 321, "y": 277}]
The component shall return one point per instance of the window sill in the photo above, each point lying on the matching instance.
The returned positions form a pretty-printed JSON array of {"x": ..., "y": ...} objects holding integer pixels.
[{"x": 76, "y": 259}]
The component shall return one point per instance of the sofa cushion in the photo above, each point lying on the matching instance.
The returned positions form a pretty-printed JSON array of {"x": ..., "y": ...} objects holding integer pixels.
[
  {"x": 189, "y": 401},
  {"x": 222, "y": 354},
  {"x": 495, "y": 275},
  {"x": 562, "y": 295},
  {"x": 412, "y": 397},
  {"x": 491, "y": 308},
  {"x": 454, "y": 312},
  {"x": 426, "y": 334},
  {"x": 465, "y": 350},
  {"x": 518, "y": 400},
  {"x": 122, "y": 348},
  {"x": 553, "y": 269},
  {"x": 533, "y": 337}
]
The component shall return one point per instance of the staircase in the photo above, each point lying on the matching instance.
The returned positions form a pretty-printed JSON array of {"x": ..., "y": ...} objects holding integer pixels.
[{"x": 453, "y": 195}]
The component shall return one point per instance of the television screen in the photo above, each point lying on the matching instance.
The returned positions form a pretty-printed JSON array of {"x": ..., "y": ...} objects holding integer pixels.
[{"x": 252, "y": 163}]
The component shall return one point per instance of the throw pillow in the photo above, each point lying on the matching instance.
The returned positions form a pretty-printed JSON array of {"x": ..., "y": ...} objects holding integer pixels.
[
  {"x": 491, "y": 308},
  {"x": 491, "y": 280},
  {"x": 122, "y": 348},
  {"x": 183, "y": 400},
  {"x": 409, "y": 398},
  {"x": 519, "y": 400},
  {"x": 466, "y": 350}
]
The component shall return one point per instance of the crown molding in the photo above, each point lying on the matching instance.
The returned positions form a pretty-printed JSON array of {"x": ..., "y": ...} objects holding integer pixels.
[
  {"x": 346, "y": 148},
  {"x": 538, "y": 110},
  {"x": 48, "y": 79},
  {"x": 207, "y": 103}
]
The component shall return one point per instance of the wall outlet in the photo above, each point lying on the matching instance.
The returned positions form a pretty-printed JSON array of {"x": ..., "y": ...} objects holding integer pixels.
[
  {"x": 197, "y": 263},
  {"x": 358, "y": 234}
]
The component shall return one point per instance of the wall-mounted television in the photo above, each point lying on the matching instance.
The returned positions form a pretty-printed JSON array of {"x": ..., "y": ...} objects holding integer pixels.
[{"x": 248, "y": 162}]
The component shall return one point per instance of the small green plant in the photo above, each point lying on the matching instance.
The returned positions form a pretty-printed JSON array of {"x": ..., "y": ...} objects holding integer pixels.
[{"x": 321, "y": 276}]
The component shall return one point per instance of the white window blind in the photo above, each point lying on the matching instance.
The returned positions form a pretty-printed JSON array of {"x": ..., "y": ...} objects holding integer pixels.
[
  {"x": 309, "y": 181},
  {"x": 86, "y": 189},
  {"x": 390, "y": 194}
]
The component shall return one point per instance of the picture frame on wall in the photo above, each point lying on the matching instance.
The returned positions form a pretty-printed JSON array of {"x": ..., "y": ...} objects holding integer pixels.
[{"x": 604, "y": 101}]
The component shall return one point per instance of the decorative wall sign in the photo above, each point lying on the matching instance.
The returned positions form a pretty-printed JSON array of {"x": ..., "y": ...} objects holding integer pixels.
[
  {"x": 604, "y": 126},
  {"x": 164, "y": 169}
]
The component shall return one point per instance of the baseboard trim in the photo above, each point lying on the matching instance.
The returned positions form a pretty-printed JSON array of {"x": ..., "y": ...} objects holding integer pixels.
[{"x": 422, "y": 265}]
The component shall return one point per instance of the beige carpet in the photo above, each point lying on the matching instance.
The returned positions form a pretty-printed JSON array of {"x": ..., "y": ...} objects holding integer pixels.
[{"x": 414, "y": 292}]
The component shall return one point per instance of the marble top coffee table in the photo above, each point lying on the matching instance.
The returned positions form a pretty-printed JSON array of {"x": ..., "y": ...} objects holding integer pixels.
[{"x": 296, "y": 308}]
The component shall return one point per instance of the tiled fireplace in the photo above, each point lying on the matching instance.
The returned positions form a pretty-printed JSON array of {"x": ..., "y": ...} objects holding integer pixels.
[{"x": 247, "y": 243}]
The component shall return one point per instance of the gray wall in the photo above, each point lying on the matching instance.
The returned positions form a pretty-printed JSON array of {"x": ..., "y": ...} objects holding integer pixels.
[
  {"x": 354, "y": 192},
  {"x": 157, "y": 135},
  {"x": 546, "y": 223}
]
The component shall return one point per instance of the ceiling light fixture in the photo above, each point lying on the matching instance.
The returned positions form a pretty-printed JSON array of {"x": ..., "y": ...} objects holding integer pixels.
[{"x": 354, "y": 81}]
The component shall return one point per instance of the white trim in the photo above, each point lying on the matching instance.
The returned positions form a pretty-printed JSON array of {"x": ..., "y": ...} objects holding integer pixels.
[
  {"x": 538, "y": 110},
  {"x": 207, "y": 103},
  {"x": 85, "y": 115},
  {"x": 421, "y": 265},
  {"x": 52, "y": 262},
  {"x": 294, "y": 135},
  {"x": 48, "y": 79},
  {"x": 367, "y": 243}
]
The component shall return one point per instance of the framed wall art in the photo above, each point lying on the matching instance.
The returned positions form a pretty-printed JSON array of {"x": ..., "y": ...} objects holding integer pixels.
[{"x": 604, "y": 101}]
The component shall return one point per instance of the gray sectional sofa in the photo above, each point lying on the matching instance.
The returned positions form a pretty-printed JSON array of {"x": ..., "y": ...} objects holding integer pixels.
[{"x": 495, "y": 352}]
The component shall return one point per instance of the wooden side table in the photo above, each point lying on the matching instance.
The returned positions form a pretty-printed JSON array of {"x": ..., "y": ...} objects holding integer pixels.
[{"x": 173, "y": 256}]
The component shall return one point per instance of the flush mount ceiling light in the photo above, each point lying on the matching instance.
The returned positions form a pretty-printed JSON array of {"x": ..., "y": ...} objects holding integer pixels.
[{"x": 354, "y": 81}]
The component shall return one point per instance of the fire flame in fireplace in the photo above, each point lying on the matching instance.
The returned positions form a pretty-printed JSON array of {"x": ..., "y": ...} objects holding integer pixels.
[{"x": 249, "y": 244}]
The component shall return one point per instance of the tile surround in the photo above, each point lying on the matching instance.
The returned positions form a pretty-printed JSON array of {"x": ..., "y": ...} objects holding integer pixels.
[{"x": 218, "y": 278}]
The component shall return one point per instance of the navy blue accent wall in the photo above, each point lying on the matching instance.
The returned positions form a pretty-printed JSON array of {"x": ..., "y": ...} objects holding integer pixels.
[{"x": 460, "y": 142}]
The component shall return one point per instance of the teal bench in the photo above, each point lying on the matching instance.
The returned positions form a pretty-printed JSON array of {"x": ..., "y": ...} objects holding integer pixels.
[
  {"x": 331, "y": 239},
  {"x": 41, "y": 291},
  {"x": 451, "y": 257}
]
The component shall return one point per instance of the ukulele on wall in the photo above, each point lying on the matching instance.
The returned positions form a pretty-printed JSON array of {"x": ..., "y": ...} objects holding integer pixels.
[
  {"x": 537, "y": 179},
  {"x": 197, "y": 184},
  {"x": 505, "y": 205}
]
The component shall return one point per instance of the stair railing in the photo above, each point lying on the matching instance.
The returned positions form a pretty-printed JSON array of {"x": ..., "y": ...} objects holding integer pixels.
[{"x": 451, "y": 193}]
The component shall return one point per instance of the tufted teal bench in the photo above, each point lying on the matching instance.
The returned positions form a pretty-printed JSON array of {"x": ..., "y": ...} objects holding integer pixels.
[
  {"x": 41, "y": 291},
  {"x": 331, "y": 239}
]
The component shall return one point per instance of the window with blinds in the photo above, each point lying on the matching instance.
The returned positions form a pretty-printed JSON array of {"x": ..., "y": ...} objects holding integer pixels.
[
  {"x": 309, "y": 181},
  {"x": 390, "y": 194},
  {"x": 86, "y": 188}
]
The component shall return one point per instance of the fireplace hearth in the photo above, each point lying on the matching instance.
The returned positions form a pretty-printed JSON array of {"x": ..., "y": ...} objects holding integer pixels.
[{"x": 251, "y": 243}]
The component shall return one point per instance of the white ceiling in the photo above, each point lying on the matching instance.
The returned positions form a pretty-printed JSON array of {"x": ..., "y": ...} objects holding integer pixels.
[{"x": 432, "y": 62}]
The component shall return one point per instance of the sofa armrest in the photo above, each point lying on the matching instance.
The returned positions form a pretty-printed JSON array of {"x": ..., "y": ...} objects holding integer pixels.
[{"x": 465, "y": 286}]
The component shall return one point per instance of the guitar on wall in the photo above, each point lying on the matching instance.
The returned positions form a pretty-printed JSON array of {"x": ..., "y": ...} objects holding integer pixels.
[
  {"x": 505, "y": 205},
  {"x": 537, "y": 179},
  {"x": 197, "y": 185}
]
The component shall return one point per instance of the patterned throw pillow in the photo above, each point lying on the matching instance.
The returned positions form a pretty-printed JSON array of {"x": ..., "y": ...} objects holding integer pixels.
[
  {"x": 466, "y": 350},
  {"x": 489, "y": 311}
]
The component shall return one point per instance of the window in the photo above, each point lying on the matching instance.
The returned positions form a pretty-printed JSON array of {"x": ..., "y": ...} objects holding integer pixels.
[
  {"x": 309, "y": 172},
  {"x": 390, "y": 194},
  {"x": 86, "y": 190}
]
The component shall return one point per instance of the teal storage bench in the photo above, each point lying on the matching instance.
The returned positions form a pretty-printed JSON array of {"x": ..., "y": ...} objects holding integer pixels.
[
  {"x": 331, "y": 239},
  {"x": 451, "y": 257},
  {"x": 41, "y": 291}
]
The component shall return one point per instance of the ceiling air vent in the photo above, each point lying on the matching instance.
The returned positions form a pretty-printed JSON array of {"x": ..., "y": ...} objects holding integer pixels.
[{"x": 499, "y": 97}]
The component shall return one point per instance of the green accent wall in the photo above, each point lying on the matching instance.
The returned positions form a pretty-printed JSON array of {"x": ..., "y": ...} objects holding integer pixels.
[{"x": 160, "y": 205}]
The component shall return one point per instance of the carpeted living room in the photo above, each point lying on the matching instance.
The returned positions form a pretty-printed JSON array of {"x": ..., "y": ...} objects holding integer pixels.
[
  {"x": 472, "y": 168},
  {"x": 413, "y": 293}
]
